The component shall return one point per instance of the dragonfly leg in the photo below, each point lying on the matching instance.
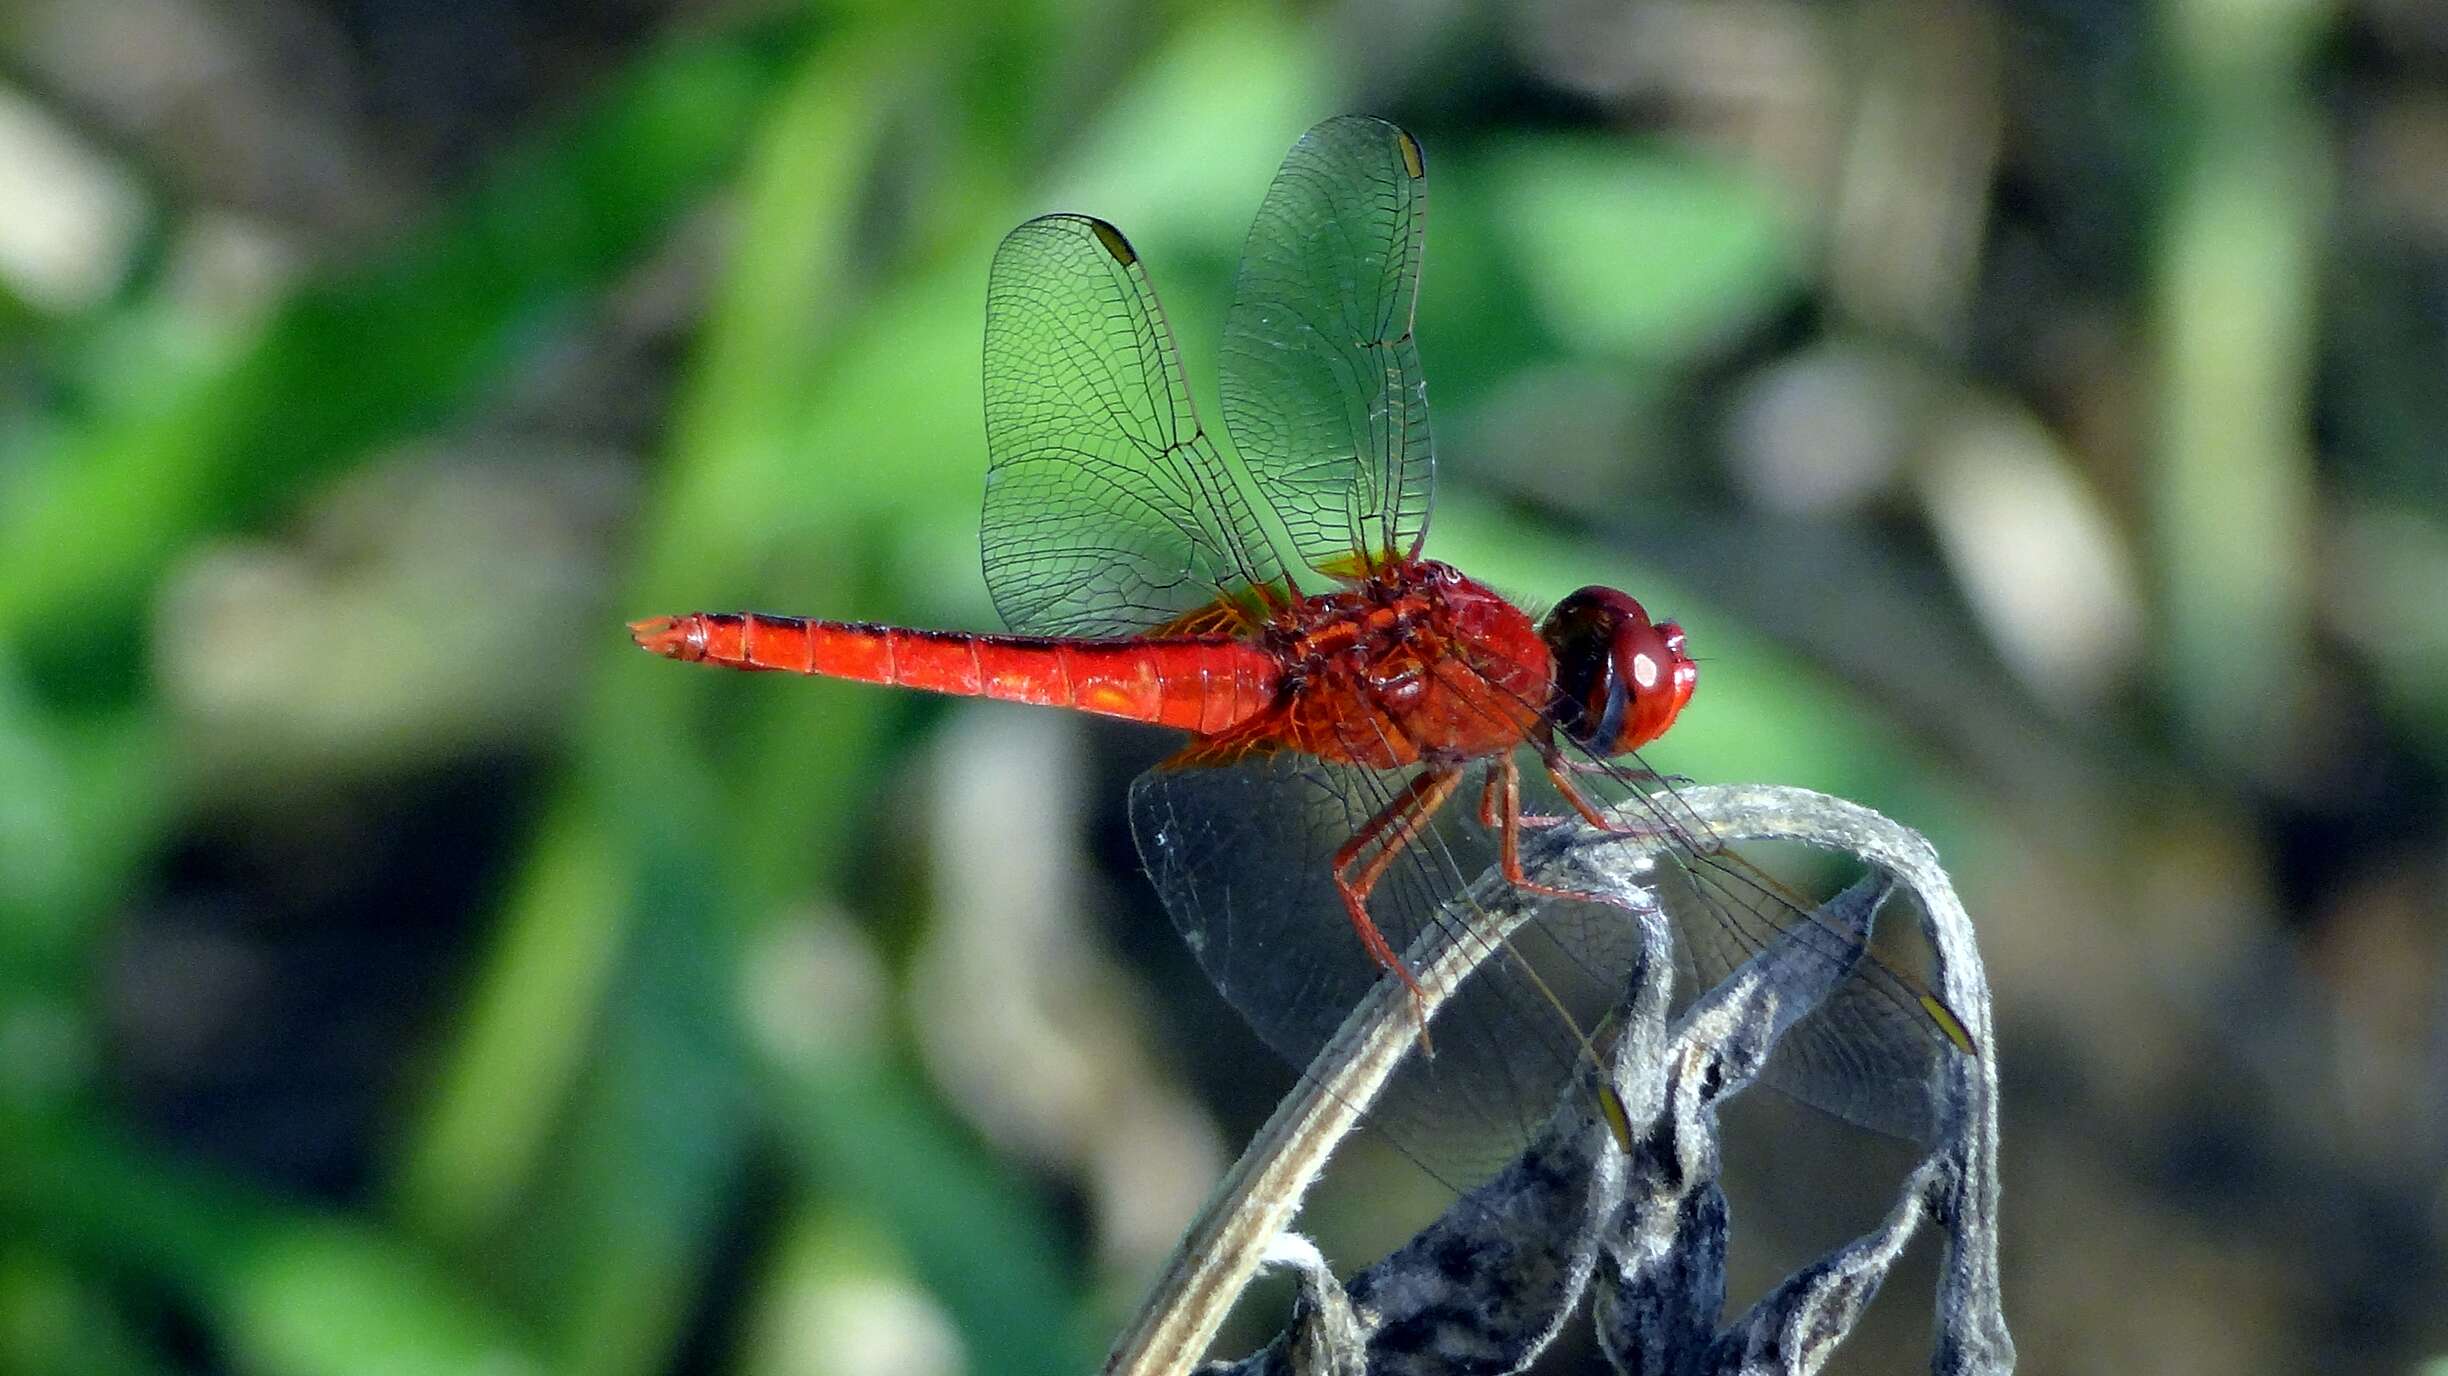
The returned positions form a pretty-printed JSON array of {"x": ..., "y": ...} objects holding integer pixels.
[
  {"x": 1491, "y": 811},
  {"x": 1504, "y": 779},
  {"x": 1559, "y": 773},
  {"x": 1395, "y": 826},
  {"x": 1536, "y": 821}
]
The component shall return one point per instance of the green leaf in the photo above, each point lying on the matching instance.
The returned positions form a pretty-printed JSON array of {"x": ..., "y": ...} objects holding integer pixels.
[{"x": 1639, "y": 252}]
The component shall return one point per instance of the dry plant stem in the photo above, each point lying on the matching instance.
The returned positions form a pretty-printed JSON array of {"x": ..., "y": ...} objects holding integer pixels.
[
  {"x": 1259, "y": 1196},
  {"x": 1967, "y": 1193}
]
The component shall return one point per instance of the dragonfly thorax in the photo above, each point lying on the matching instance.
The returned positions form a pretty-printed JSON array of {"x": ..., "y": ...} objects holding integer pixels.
[{"x": 1413, "y": 663}]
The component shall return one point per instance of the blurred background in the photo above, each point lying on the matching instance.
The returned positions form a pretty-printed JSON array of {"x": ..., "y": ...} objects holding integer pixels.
[{"x": 2033, "y": 411}]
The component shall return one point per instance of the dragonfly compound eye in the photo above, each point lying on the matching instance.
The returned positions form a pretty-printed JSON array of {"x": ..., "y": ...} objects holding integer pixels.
[{"x": 1619, "y": 681}]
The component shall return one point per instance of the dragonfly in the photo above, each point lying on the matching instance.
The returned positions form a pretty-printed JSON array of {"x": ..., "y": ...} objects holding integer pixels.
[{"x": 1364, "y": 723}]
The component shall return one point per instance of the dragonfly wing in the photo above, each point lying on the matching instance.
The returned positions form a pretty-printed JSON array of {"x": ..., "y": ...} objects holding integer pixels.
[
  {"x": 1322, "y": 390},
  {"x": 1864, "y": 1058},
  {"x": 1865, "y": 1051},
  {"x": 1108, "y": 510},
  {"x": 1243, "y": 855},
  {"x": 1868, "y": 1050}
]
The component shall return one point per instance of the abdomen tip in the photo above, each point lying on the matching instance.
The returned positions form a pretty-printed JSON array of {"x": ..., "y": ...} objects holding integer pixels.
[{"x": 673, "y": 637}]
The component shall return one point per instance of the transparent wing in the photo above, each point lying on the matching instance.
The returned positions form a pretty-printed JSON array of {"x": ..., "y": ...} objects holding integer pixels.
[
  {"x": 1243, "y": 856},
  {"x": 1866, "y": 1052},
  {"x": 1108, "y": 510},
  {"x": 1322, "y": 389}
]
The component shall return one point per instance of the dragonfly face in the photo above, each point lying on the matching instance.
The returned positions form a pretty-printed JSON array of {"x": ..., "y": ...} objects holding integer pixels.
[{"x": 1620, "y": 681}]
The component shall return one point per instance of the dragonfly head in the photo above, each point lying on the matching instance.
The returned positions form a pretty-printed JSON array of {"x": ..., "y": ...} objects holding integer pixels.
[{"x": 1619, "y": 678}]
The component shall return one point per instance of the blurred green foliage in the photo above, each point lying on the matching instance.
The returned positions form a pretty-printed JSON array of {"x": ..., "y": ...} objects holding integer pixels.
[{"x": 706, "y": 292}]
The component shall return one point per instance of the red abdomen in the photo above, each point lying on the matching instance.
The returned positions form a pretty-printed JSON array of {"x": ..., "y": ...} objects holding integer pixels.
[{"x": 1205, "y": 684}]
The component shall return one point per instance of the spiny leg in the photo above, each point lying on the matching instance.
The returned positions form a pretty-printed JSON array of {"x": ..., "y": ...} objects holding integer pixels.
[
  {"x": 1395, "y": 826},
  {"x": 1557, "y": 766},
  {"x": 1560, "y": 769},
  {"x": 1504, "y": 781},
  {"x": 1580, "y": 802},
  {"x": 1557, "y": 773}
]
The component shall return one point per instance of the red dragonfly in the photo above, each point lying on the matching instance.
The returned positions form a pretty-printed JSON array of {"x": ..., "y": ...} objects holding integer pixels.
[{"x": 1272, "y": 601}]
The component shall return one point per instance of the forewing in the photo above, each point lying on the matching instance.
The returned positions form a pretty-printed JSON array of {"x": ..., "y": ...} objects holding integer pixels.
[
  {"x": 1107, "y": 509},
  {"x": 1322, "y": 389}
]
